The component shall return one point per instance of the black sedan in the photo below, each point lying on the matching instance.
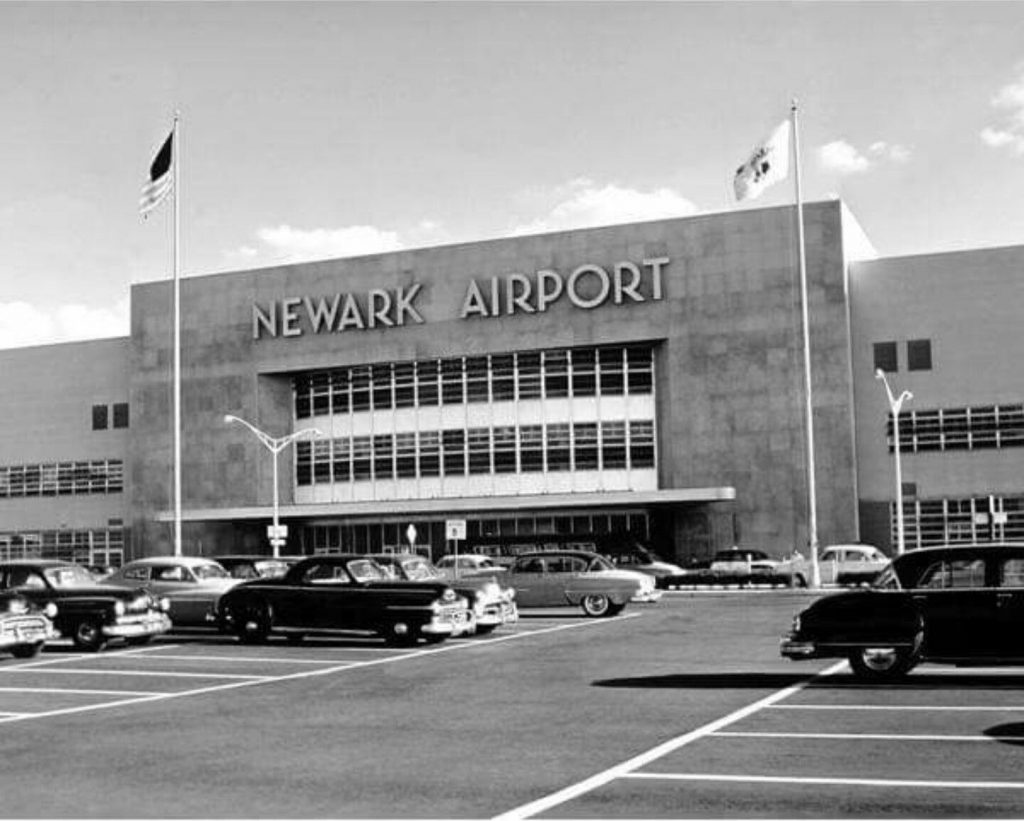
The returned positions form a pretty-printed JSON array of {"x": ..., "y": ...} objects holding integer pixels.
[
  {"x": 24, "y": 627},
  {"x": 961, "y": 605},
  {"x": 343, "y": 593},
  {"x": 89, "y": 613}
]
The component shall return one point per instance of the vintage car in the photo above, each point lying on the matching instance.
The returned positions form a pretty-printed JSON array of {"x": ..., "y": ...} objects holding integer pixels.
[
  {"x": 24, "y": 627},
  {"x": 191, "y": 584},
  {"x": 577, "y": 578},
  {"x": 629, "y": 555},
  {"x": 348, "y": 593},
  {"x": 492, "y": 602},
  {"x": 743, "y": 561},
  {"x": 246, "y": 566},
  {"x": 961, "y": 605},
  {"x": 88, "y": 612},
  {"x": 838, "y": 564},
  {"x": 468, "y": 564}
]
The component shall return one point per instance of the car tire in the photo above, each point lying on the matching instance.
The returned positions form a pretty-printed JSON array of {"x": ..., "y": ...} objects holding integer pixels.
[
  {"x": 252, "y": 621},
  {"x": 27, "y": 651},
  {"x": 596, "y": 605},
  {"x": 799, "y": 580},
  {"x": 88, "y": 635}
]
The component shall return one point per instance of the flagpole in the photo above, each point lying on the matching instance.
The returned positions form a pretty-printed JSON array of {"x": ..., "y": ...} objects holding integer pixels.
[
  {"x": 812, "y": 501},
  {"x": 176, "y": 164}
]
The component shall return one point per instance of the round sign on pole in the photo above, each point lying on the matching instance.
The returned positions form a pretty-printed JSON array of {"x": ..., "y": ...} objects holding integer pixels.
[{"x": 410, "y": 534}]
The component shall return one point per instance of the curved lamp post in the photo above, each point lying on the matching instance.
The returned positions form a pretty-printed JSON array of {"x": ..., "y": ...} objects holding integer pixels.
[
  {"x": 895, "y": 406},
  {"x": 275, "y": 445}
]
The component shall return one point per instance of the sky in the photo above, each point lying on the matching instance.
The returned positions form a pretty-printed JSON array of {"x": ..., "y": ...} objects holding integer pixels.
[{"x": 333, "y": 129}]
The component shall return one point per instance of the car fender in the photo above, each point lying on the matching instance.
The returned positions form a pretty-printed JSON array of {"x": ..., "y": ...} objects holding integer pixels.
[{"x": 865, "y": 618}]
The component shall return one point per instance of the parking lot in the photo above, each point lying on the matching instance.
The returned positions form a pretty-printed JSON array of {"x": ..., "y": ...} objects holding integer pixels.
[{"x": 679, "y": 709}]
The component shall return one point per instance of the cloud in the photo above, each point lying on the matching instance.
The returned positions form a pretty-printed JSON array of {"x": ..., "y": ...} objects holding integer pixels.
[
  {"x": 22, "y": 323},
  {"x": 840, "y": 157},
  {"x": 583, "y": 203},
  {"x": 1008, "y": 101},
  {"x": 297, "y": 244}
]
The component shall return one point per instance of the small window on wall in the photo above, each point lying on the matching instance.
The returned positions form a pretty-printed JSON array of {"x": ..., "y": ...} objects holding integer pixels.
[
  {"x": 919, "y": 355},
  {"x": 99, "y": 417},
  {"x": 120, "y": 414},
  {"x": 885, "y": 357}
]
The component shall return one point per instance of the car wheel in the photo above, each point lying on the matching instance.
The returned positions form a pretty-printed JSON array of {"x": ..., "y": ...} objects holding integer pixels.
[
  {"x": 882, "y": 663},
  {"x": 27, "y": 651},
  {"x": 596, "y": 605},
  {"x": 252, "y": 622},
  {"x": 88, "y": 635},
  {"x": 799, "y": 580}
]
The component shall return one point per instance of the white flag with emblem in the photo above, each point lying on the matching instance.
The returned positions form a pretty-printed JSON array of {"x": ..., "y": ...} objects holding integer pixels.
[{"x": 768, "y": 163}]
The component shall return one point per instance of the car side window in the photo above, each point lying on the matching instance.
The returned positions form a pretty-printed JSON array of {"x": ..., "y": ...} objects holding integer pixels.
[
  {"x": 170, "y": 573},
  {"x": 25, "y": 579},
  {"x": 325, "y": 574},
  {"x": 953, "y": 574},
  {"x": 1011, "y": 573},
  {"x": 531, "y": 566},
  {"x": 137, "y": 573}
]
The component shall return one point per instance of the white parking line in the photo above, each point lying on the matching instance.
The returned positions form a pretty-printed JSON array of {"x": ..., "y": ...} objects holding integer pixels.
[
  {"x": 159, "y": 673},
  {"x": 842, "y": 782},
  {"x": 869, "y": 736},
  {"x": 909, "y": 707},
  {"x": 254, "y": 681},
  {"x": 241, "y": 659},
  {"x": 623, "y": 769},
  {"x": 79, "y": 692}
]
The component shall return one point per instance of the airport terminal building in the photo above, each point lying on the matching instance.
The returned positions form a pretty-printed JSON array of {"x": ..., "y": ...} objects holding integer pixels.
[{"x": 632, "y": 381}]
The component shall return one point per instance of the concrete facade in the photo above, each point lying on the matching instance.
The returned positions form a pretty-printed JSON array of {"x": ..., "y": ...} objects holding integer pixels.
[{"x": 716, "y": 296}]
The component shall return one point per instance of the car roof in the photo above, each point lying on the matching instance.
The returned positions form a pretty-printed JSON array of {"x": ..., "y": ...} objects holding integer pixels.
[
  {"x": 583, "y": 554},
  {"x": 190, "y": 561},
  {"x": 256, "y": 557},
  {"x": 851, "y": 546}
]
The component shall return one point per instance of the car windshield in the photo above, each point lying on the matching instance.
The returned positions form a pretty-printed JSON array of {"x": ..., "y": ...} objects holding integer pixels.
[
  {"x": 419, "y": 570},
  {"x": 365, "y": 570},
  {"x": 210, "y": 571},
  {"x": 600, "y": 563},
  {"x": 69, "y": 576}
]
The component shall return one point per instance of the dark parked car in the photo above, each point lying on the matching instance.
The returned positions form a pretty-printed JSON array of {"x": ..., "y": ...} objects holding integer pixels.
[
  {"x": 24, "y": 627},
  {"x": 343, "y": 593},
  {"x": 961, "y": 605},
  {"x": 493, "y": 604},
  {"x": 89, "y": 613}
]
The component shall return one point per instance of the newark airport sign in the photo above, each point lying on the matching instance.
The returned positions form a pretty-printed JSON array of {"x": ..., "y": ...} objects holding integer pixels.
[{"x": 587, "y": 286}]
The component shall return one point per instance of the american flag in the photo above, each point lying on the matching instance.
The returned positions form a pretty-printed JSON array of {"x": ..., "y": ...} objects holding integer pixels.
[{"x": 160, "y": 181}]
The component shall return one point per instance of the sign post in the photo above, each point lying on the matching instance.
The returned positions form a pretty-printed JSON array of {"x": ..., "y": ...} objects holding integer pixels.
[{"x": 454, "y": 530}]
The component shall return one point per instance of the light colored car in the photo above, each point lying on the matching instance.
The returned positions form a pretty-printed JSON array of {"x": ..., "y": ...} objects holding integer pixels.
[
  {"x": 743, "y": 561},
  {"x": 554, "y": 578},
  {"x": 191, "y": 584},
  {"x": 841, "y": 564},
  {"x": 468, "y": 564}
]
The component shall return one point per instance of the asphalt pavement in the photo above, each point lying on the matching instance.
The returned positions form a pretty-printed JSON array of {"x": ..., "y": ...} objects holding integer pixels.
[{"x": 679, "y": 709}]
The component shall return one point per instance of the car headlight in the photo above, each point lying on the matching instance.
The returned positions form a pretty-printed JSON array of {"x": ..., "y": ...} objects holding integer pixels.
[
  {"x": 164, "y": 604},
  {"x": 50, "y": 610},
  {"x": 448, "y": 596},
  {"x": 119, "y": 608},
  {"x": 796, "y": 623},
  {"x": 17, "y": 606}
]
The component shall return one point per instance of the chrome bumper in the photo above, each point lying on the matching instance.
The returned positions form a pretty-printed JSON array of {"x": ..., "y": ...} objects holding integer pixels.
[
  {"x": 459, "y": 623},
  {"x": 793, "y": 649},
  {"x": 129, "y": 626},
  {"x": 26, "y": 630},
  {"x": 650, "y": 596},
  {"x": 497, "y": 614}
]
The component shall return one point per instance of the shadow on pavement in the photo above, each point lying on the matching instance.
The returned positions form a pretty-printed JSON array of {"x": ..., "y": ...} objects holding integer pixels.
[
  {"x": 768, "y": 681},
  {"x": 1008, "y": 733}
]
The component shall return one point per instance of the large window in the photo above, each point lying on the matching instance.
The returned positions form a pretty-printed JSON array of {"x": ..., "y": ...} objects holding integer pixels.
[
  {"x": 62, "y": 478},
  {"x": 975, "y": 428}
]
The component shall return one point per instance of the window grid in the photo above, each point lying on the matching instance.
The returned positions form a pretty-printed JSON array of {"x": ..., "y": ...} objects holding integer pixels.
[
  {"x": 559, "y": 373},
  {"x": 929, "y": 522},
  {"x": 979, "y": 427},
  {"x": 555, "y": 447},
  {"x": 62, "y": 478}
]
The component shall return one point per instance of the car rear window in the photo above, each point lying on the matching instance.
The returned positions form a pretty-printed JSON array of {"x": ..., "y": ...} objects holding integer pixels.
[
  {"x": 1011, "y": 573},
  {"x": 953, "y": 573}
]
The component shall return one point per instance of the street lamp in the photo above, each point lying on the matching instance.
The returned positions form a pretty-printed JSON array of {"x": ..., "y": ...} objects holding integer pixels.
[
  {"x": 895, "y": 405},
  {"x": 275, "y": 445}
]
